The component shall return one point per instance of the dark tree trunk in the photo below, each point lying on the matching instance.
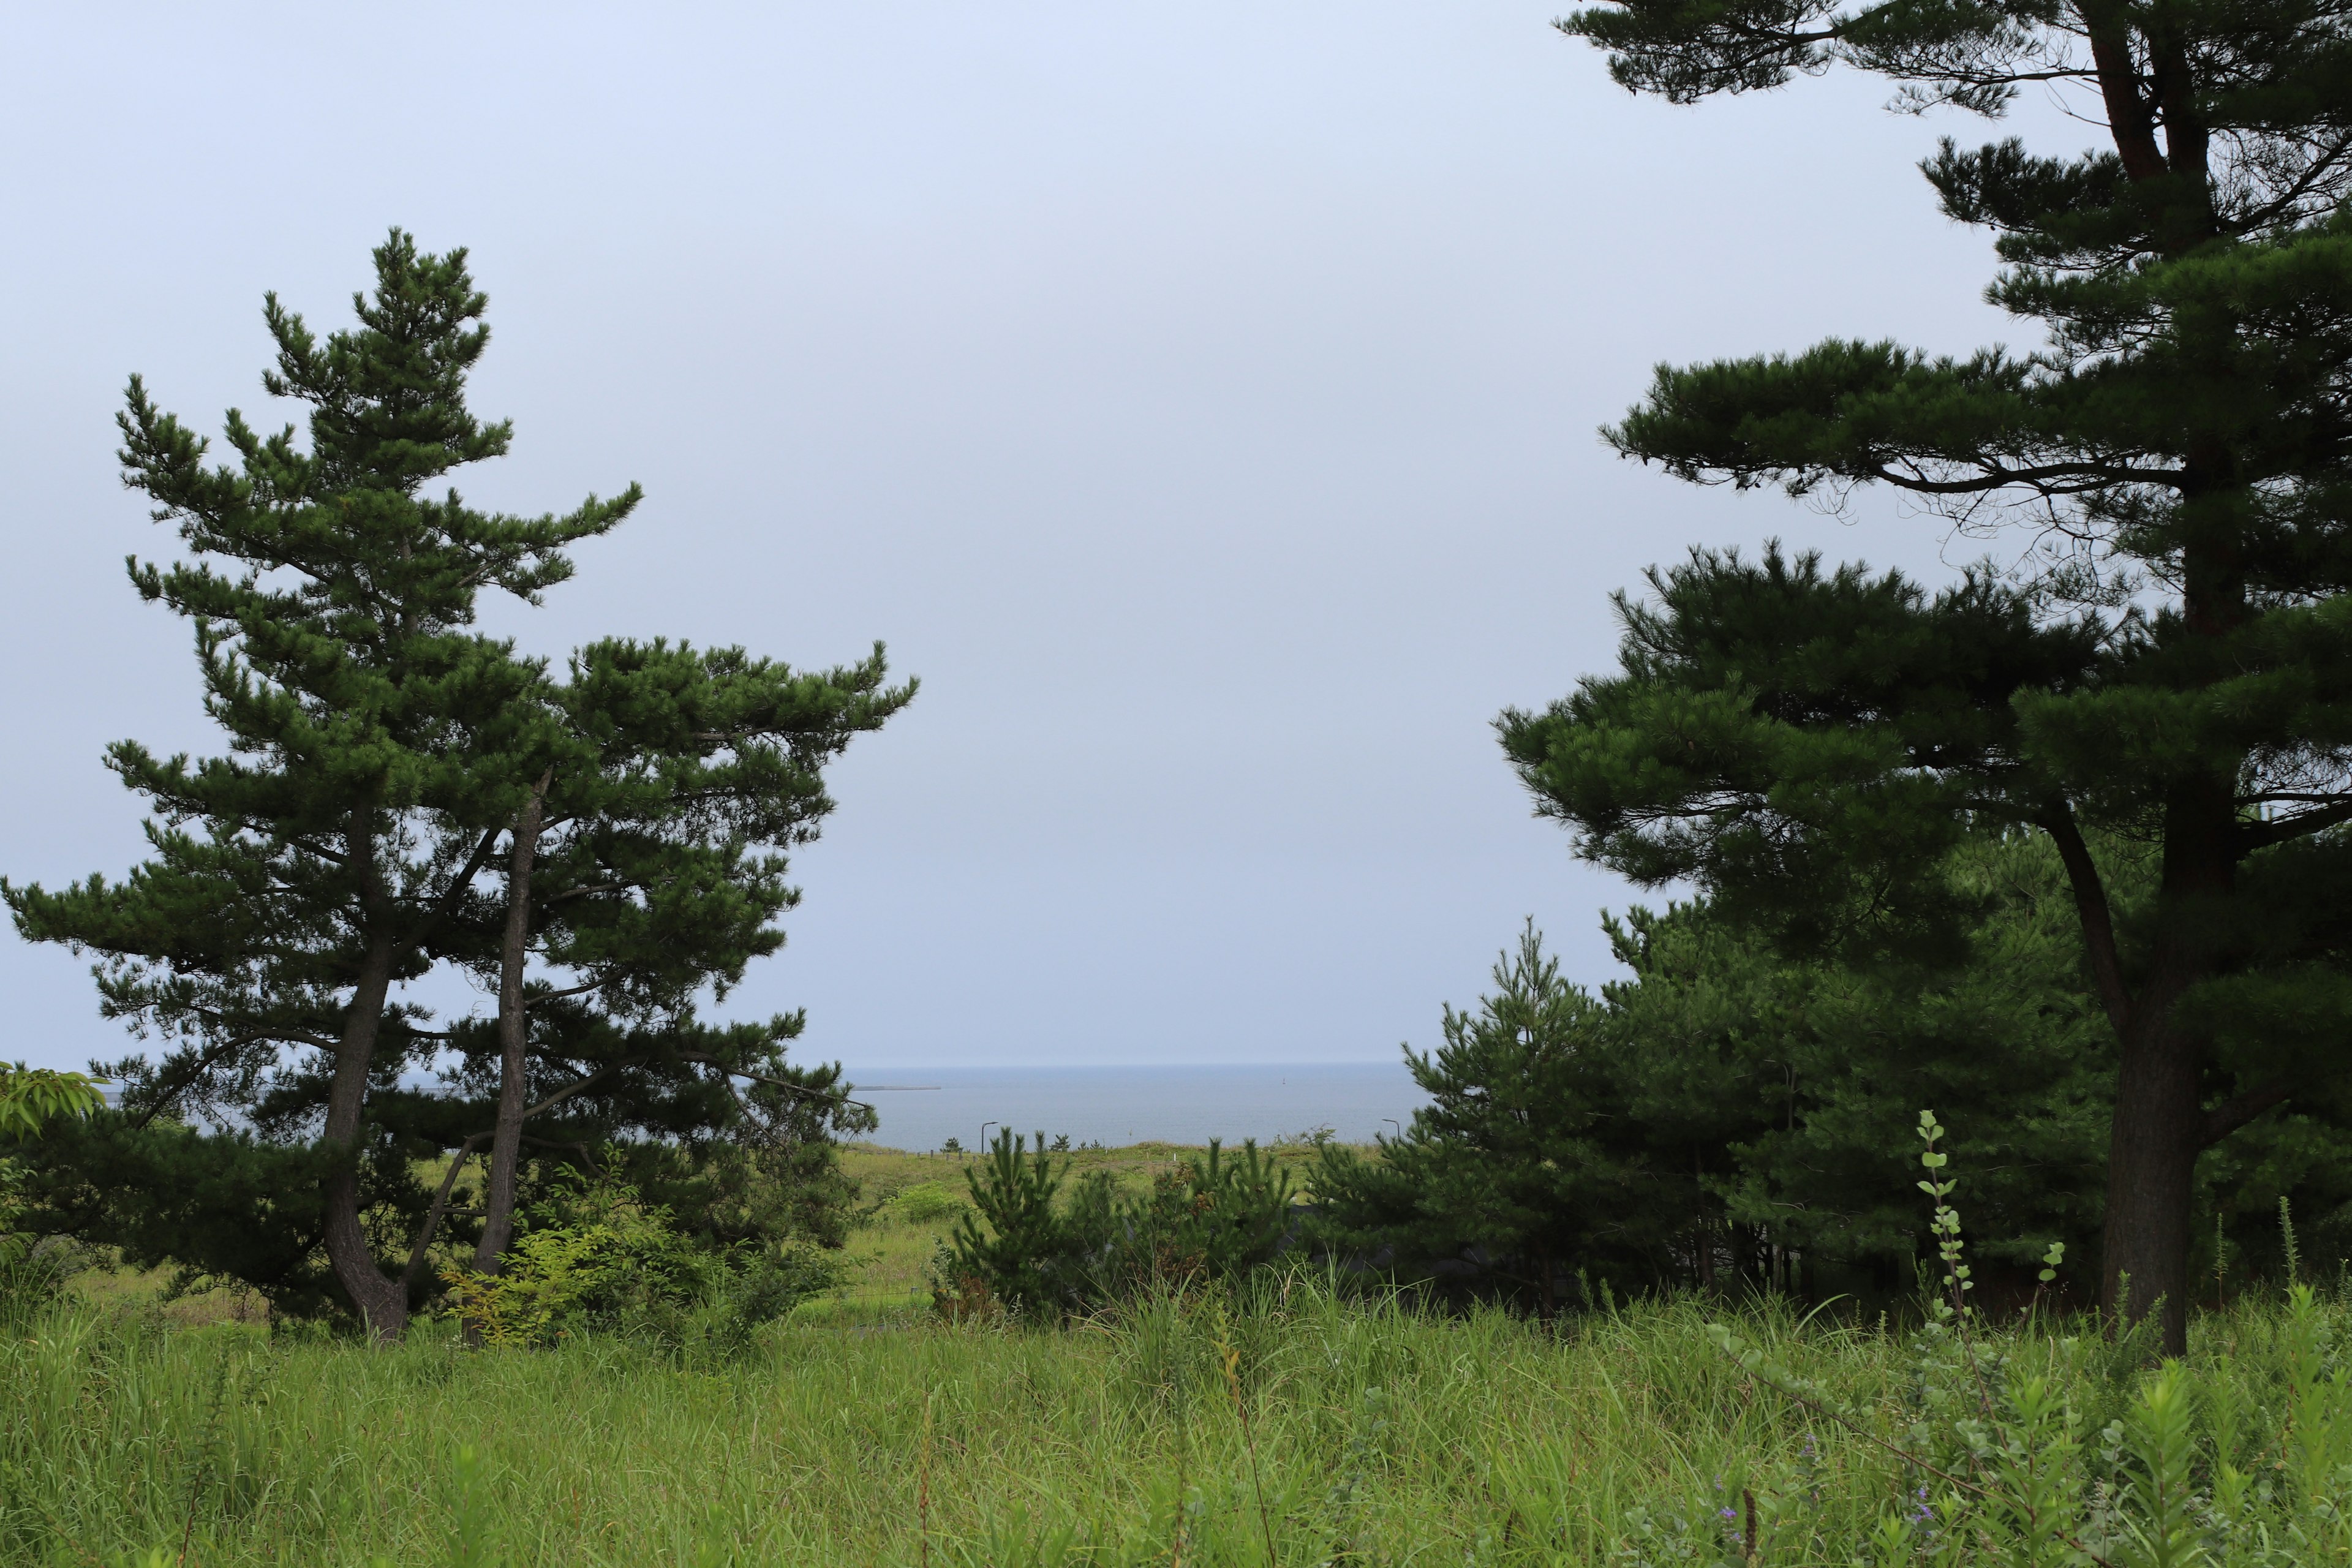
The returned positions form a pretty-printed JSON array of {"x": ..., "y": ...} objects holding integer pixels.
[
  {"x": 382, "y": 1304},
  {"x": 2159, "y": 1120},
  {"x": 514, "y": 1034},
  {"x": 2151, "y": 1179}
]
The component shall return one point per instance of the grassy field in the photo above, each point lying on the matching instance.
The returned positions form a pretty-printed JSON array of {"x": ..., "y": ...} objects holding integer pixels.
[
  {"x": 1294, "y": 1426},
  {"x": 1348, "y": 1433}
]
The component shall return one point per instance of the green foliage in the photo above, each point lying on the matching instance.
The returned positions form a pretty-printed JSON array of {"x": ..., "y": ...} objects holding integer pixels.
[
  {"x": 379, "y": 747},
  {"x": 1807, "y": 745},
  {"x": 595, "y": 1256},
  {"x": 31, "y": 1096},
  {"x": 1999, "y": 1435},
  {"x": 30, "y": 1100},
  {"x": 212, "y": 1206},
  {"x": 1720, "y": 1115},
  {"x": 1520, "y": 1152},
  {"x": 1017, "y": 1248},
  {"x": 1212, "y": 1220},
  {"x": 925, "y": 1202},
  {"x": 1779, "y": 1079},
  {"x": 1766, "y": 739},
  {"x": 1381, "y": 1433},
  {"x": 677, "y": 778}
]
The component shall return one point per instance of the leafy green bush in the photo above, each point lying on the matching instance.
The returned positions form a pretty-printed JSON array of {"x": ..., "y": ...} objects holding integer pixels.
[
  {"x": 30, "y": 1099},
  {"x": 597, "y": 1257}
]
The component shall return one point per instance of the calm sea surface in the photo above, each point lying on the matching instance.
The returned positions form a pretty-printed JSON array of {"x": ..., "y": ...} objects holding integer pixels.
[{"x": 1117, "y": 1105}]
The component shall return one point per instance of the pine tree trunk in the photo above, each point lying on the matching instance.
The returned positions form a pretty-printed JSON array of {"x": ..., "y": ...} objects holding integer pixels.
[
  {"x": 382, "y": 1304},
  {"x": 2159, "y": 1120},
  {"x": 2151, "y": 1180},
  {"x": 514, "y": 1032}
]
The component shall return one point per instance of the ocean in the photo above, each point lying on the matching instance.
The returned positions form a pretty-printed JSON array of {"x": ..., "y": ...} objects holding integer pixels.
[{"x": 920, "y": 1108}]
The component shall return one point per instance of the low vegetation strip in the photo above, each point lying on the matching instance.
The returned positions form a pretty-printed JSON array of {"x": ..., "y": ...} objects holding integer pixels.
[{"x": 1374, "y": 1432}]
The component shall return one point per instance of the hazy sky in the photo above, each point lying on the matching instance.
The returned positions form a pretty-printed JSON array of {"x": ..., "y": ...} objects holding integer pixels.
[{"x": 1200, "y": 398}]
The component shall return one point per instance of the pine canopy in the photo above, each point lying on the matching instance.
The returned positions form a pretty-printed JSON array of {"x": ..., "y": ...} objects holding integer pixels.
[
  {"x": 2166, "y": 664},
  {"x": 380, "y": 749}
]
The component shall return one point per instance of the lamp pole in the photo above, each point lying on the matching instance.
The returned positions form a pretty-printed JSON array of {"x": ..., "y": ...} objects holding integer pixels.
[
  {"x": 1398, "y": 1125},
  {"x": 983, "y": 1135}
]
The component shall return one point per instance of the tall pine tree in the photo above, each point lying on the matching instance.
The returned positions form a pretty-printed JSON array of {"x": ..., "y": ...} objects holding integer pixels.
[
  {"x": 2181, "y": 674},
  {"x": 297, "y": 880},
  {"x": 640, "y": 811}
]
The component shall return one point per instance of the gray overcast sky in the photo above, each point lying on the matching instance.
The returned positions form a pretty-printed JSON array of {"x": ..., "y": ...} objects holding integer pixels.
[{"x": 1202, "y": 399}]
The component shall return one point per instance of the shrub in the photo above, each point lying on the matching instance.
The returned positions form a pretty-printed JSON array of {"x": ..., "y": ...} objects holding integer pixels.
[
  {"x": 1213, "y": 1217},
  {"x": 33, "y": 1268},
  {"x": 597, "y": 1257}
]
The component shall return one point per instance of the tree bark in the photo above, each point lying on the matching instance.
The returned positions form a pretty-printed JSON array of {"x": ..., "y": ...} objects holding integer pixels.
[
  {"x": 2151, "y": 1184},
  {"x": 382, "y": 1304},
  {"x": 2159, "y": 1120},
  {"x": 514, "y": 1033}
]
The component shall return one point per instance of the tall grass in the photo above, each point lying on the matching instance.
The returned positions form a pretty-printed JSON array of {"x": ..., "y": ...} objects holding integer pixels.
[{"x": 1203, "y": 1431}]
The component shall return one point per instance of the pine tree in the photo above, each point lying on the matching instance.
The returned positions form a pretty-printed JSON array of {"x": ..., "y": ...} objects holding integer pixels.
[
  {"x": 1513, "y": 1161},
  {"x": 297, "y": 880},
  {"x": 1781, "y": 1089},
  {"x": 648, "y": 863},
  {"x": 644, "y": 806},
  {"x": 2178, "y": 674}
]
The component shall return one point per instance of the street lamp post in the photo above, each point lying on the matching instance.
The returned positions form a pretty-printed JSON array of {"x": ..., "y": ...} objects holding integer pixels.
[
  {"x": 983, "y": 1134},
  {"x": 1398, "y": 1125}
]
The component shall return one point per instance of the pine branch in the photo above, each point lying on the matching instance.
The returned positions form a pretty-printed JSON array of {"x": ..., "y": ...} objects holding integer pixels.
[
  {"x": 2091, "y": 904},
  {"x": 706, "y": 1059},
  {"x": 439, "y": 1210},
  {"x": 2236, "y": 1111},
  {"x": 2301, "y": 824}
]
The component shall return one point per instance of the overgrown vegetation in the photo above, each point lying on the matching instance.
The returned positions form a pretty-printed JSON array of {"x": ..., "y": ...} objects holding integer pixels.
[
  {"x": 1381, "y": 1433},
  {"x": 1720, "y": 1114},
  {"x": 595, "y": 1256},
  {"x": 628, "y": 1408},
  {"x": 1210, "y": 1218}
]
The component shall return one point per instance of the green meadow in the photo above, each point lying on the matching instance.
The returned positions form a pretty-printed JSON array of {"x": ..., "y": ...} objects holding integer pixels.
[{"x": 1290, "y": 1420}]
